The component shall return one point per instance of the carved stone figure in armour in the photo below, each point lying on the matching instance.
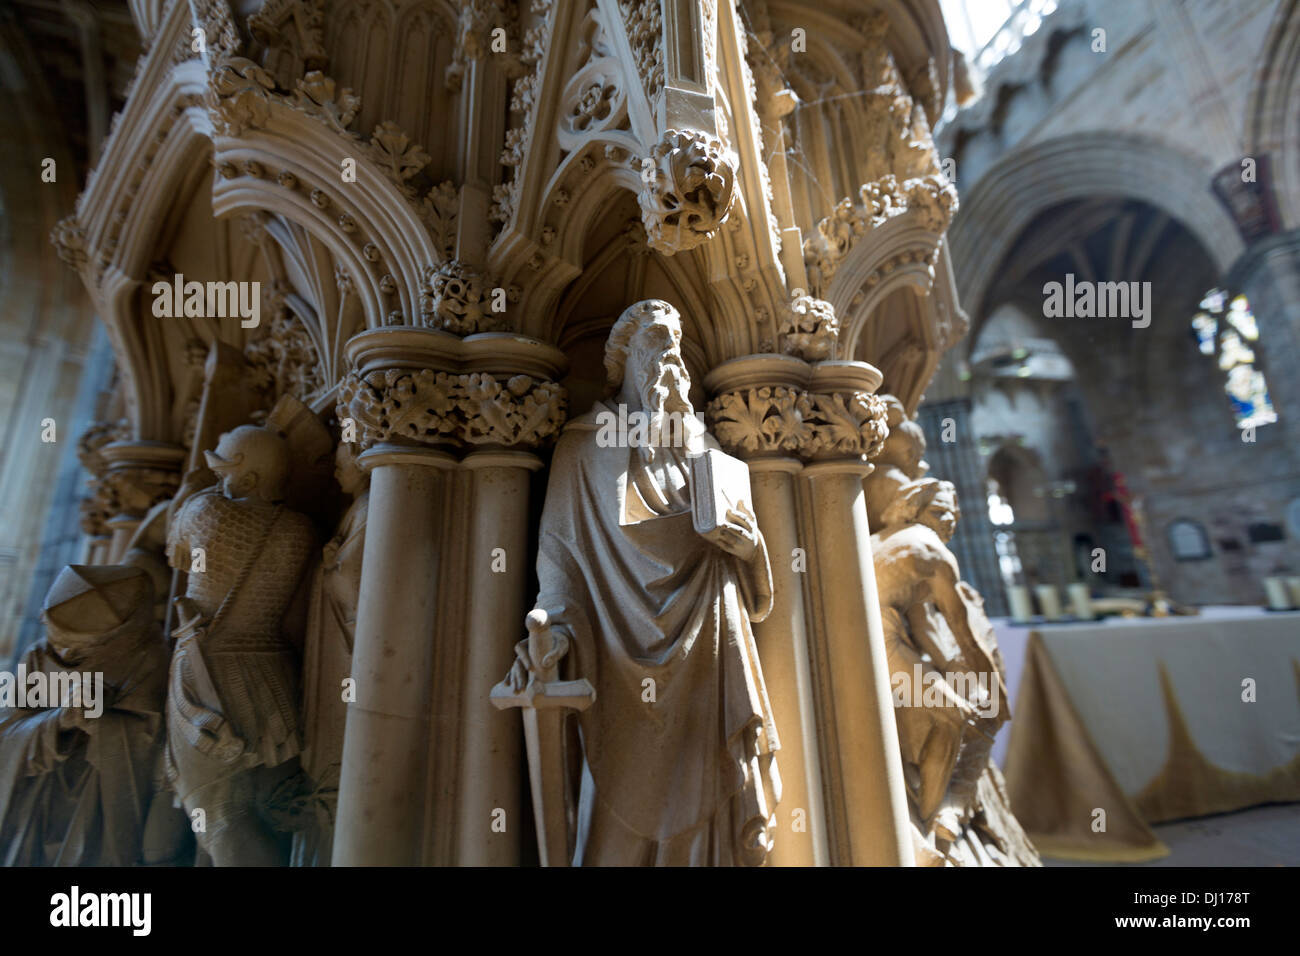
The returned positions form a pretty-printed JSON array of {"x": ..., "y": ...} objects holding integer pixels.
[
  {"x": 232, "y": 722},
  {"x": 331, "y": 627},
  {"x": 79, "y": 760},
  {"x": 646, "y": 602},
  {"x": 948, "y": 686}
]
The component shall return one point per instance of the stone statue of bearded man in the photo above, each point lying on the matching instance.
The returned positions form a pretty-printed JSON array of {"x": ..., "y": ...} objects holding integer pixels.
[{"x": 677, "y": 751}]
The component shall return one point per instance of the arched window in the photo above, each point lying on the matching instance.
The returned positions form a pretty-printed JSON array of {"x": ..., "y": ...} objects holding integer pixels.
[
  {"x": 1188, "y": 540},
  {"x": 1226, "y": 328}
]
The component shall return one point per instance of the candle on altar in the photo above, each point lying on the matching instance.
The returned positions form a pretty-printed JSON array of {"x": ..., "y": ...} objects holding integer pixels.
[
  {"x": 1276, "y": 592},
  {"x": 1049, "y": 601},
  {"x": 1022, "y": 609},
  {"x": 1081, "y": 602}
]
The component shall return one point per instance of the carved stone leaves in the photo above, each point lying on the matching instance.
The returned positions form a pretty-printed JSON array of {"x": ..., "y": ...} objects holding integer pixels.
[
  {"x": 285, "y": 357},
  {"x": 809, "y": 329},
  {"x": 238, "y": 92},
  {"x": 767, "y": 419},
  {"x": 396, "y": 154},
  {"x": 781, "y": 419},
  {"x": 438, "y": 211},
  {"x": 456, "y": 298},
  {"x": 317, "y": 95},
  {"x": 643, "y": 20},
  {"x": 432, "y": 407},
  {"x": 689, "y": 188},
  {"x": 69, "y": 241}
]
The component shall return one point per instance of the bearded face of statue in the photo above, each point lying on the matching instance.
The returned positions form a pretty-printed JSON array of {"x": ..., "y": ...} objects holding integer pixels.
[{"x": 656, "y": 375}]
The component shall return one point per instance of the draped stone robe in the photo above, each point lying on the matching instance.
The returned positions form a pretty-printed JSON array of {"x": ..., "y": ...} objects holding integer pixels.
[
  {"x": 690, "y": 776},
  {"x": 79, "y": 796},
  {"x": 331, "y": 629}
]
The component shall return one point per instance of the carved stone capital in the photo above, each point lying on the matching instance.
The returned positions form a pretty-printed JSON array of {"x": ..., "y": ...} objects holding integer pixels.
[
  {"x": 435, "y": 408},
  {"x": 689, "y": 185},
  {"x": 771, "y": 405},
  {"x": 767, "y": 420},
  {"x": 130, "y": 477},
  {"x": 846, "y": 425},
  {"x": 430, "y": 388}
]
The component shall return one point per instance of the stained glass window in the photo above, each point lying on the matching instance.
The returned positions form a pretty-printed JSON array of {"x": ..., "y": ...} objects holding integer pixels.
[{"x": 1226, "y": 328}]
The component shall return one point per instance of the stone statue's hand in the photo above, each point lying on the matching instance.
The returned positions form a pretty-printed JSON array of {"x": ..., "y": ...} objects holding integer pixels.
[
  {"x": 740, "y": 535},
  {"x": 517, "y": 679},
  {"x": 546, "y": 644}
]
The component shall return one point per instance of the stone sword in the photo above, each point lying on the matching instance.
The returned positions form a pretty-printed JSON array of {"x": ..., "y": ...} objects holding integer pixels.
[{"x": 543, "y": 702}]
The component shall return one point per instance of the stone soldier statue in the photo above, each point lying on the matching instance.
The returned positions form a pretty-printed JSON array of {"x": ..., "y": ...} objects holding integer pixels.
[
  {"x": 77, "y": 769},
  {"x": 331, "y": 628},
  {"x": 935, "y": 629},
  {"x": 648, "y": 602},
  {"x": 232, "y": 721}
]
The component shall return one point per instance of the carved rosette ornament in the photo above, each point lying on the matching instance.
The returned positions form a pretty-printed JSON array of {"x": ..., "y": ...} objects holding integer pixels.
[{"x": 689, "y": 185}]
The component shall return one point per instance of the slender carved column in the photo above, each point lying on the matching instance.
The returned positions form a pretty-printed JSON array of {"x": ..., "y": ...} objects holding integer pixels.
[
  {"x": 867, "y": 804},
  {"x": 436, "y": 624},
  {"x": 381, "y": 790},
  {"x": 751, "y": 391},
  {"x": 489, "y": 804},
  {"x": 823, "y": 647}
]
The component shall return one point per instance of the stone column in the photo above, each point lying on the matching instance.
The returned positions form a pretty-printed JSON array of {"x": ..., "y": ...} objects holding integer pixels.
[
  {"x": 490, "y": 809},
  {"x": 866, "y": 800},
  {"x": 1268, "y": 273},
  {"x": 822, "y": 649},
  {"x": 436, "y": 624},
  {"x": 750, "y": 390},
  {"x": 382, "y": 781}
]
